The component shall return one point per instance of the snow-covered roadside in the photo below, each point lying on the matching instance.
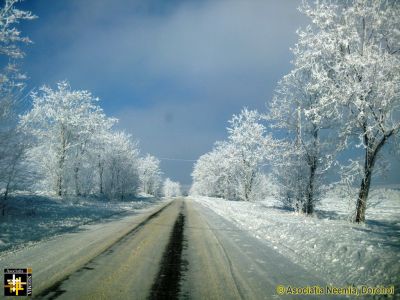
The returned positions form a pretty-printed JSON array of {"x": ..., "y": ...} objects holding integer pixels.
[
  {"x": 341, "y": 252},
  {"x": 54, "y": 258},
  {"x": 32, "y": 218}
]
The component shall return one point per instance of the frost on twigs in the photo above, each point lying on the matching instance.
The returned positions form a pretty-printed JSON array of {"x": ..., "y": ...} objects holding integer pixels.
[
  {"x": 12, "y": 144},
  {"x": 10, "y": 41}
]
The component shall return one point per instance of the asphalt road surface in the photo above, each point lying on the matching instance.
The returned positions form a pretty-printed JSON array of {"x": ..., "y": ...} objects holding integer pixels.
[{"x": 182, "y": 251}]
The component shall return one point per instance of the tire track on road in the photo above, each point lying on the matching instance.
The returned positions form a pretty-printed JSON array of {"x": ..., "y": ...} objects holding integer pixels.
[
  {"x": 167, "y": 284},
  {"x": 55, "y": 290}
]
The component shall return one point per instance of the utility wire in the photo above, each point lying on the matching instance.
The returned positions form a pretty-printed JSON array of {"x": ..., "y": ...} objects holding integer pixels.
[{"x": 177, "y": 159}]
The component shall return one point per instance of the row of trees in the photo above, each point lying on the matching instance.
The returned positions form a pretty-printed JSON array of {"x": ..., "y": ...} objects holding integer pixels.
[
  {"x": 233, "y": 169},
  {"x": 171, "y": 188},
  {"x": 74, "y": 150},
  {"x": 65, "y": 144},
  {"x": 342, "y": 94}
]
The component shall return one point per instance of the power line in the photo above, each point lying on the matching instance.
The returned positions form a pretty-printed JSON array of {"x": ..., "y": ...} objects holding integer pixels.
[{"x": 177, "y": 159}]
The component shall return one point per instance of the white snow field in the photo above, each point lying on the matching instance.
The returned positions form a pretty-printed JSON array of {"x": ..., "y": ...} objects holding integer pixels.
[
  {"x": 32, "y": 218},
  {"x": 341, "y": 252}
]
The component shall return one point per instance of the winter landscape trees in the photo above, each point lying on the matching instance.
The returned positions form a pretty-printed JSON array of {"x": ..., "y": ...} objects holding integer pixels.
[
  {"x": 344, "y": 85},
  {"x": 150, "y": 175},
  {"x": 307, "y": 151},
  {"x": 361, "y": 43},
  {"x": 12, "y": 147},
  {"x": 61, "y": 123},
  {"x": 171, "y": 188},
  {"x": 64, "y": 144},
  {"x": 75, "y": 151},
  {"x": 342, "y": 95},
  {"x": 232, "y": 169},
  {"x": 292, "y": 173}
]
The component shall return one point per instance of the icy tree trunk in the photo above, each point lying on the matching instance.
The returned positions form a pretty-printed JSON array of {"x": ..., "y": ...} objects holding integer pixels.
[
  {"x": 76, "y": 179},
  {"x": 101, "y": 171},
  {"x": 146, "y": 187},
  {"x": 4, "y": 203},
  {"x": 312, "y": 162},
  {"x": 60, "y": 176},
  {"x": 149, "y": 187},
  {"x": 299, "y": 196},
  {"x": 248, "y": 186},
  {"x": 6, "y": 192},
  {"x": 118, "y": 189},
  {"x": 111, "y": 191},
  {"x": 365, "y": 185},
  {"x": 5, "y": 197},
  {"x": 11, "y": 176},
  {"x": 309, "y": 205},
  {"x": 61, "y": 161},
  {"x": 371, "y": 152}
]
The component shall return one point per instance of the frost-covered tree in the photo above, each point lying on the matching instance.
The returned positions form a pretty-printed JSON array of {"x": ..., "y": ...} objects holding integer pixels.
[
  {"x": 15, "y": 174},
  {"x": 75, "y": 149},
  {"x": 10, "y": 41},
  {"x": 214, "y": 173},
  {"x": 202, "y": 175},
  {"x": 359, "y": 41},
  {"x": 150, "y": 175},
  {"x": 62, "y": 122},
  {"x": 233, "y": 168},
  {"x": 171, "y": 188},
  {"x": 121, "y": 177},
  {"x": 100, "y": 144},
  {"x": 291, "y": 173},
  {"x": 253, "y": 147},
  {"x": 12, "y": 147},
  {"x": 91, "y": 125},
  {"x": 306, "y": 152}
]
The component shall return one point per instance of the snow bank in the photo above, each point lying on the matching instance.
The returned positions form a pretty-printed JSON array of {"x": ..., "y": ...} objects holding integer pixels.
[
  {"x": 340, "y": 251},
  {"x": 53, "y": 259},
  {"x": 31, "y": 218}
]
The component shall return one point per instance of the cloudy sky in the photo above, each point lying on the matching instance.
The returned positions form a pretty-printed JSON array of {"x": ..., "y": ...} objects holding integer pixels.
[{"x": 172, "y": 71}]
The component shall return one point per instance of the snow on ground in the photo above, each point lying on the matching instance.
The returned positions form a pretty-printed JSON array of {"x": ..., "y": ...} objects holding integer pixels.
[
  {"x": 54, "y": 258},
  {"x": 340, "y": 251},
  {"x": 31, "y": 218}
]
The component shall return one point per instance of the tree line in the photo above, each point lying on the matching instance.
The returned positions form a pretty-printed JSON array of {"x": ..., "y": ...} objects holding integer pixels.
[{"x": 343, "y": 94}]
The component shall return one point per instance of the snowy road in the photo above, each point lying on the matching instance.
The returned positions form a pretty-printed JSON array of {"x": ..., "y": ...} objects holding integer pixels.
[{"x": 179, "y": 250}]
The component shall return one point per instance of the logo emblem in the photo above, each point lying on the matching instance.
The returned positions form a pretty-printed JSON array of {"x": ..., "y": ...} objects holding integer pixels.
[{"x": 18, "y": 282}]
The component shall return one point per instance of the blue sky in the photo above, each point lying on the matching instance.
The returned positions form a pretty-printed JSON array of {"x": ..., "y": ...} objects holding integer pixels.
[{"x": 173, "y": 71}]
